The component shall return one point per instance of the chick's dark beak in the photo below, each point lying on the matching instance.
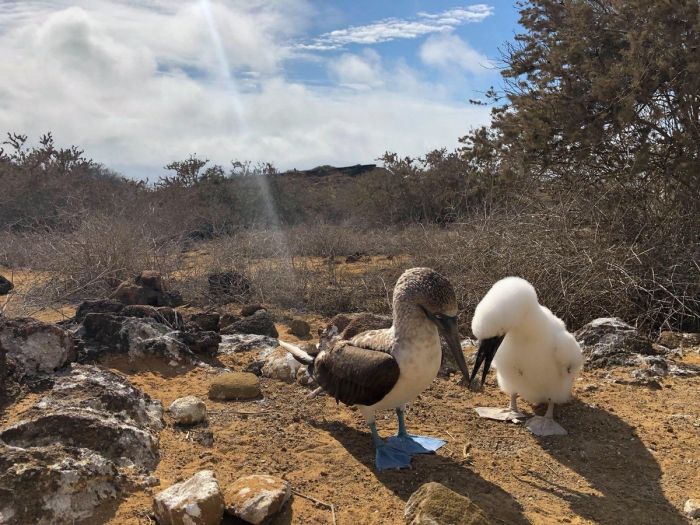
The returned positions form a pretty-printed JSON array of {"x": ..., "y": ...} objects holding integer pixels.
[
  {"x": 487, "y": 349},
  {"x": 448, "y": 329}
]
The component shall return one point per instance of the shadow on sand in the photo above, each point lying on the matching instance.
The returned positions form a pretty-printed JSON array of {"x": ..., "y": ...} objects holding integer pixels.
[
  {"x": 609, "y": 454},
  {"x": 426, "y": 468}
]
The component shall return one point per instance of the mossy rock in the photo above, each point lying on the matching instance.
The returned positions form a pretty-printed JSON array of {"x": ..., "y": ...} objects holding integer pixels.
[
  {"x": 234, "y": 385},
  {"x": 434, "y": 503}
]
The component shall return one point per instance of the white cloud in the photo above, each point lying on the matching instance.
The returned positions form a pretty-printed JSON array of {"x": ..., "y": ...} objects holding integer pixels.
[
  {"x": 138, "y": 84},
  {"x": 447, "y": 51},
  {"x": 397, "y": 28},
  {"x": 360, "y": 71}
]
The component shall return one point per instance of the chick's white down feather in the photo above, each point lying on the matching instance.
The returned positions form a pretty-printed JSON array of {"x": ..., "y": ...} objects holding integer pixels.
[{"x": 538, "y": 359}]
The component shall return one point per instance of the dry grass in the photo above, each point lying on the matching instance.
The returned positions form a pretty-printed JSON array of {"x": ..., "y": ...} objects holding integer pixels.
[{"x": 579, "y": 272}]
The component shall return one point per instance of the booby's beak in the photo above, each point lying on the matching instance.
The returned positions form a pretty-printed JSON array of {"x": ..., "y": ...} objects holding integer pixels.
[
  {"x": 448, "y": 329},
  {"x": 487, "y": 349}
]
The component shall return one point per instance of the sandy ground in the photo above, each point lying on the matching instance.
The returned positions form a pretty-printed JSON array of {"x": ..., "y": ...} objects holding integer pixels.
[{"x": 631, "y": 456}]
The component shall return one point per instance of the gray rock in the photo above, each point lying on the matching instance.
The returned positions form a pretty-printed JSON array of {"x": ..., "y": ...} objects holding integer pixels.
[
  {"x": 124, "y": 444},
  {"x": 99, "y": 306},
  {"x": 227, "y": 319},
  {"x": 256, "y": 498},
  {"x": 235, "y": 343},
  {"x": 161, "y": 314},
  {"x": 249, "y": 309},
  {"x": 137, "y": 337},
  {"x": 260, "y": 323},
  {"x": 188, "y": 410},
  {"x": 200, "y": 342},
  {"x": 94, "y": 409},
  {"x": 206, "y": 321},
  {"x": 434, "y": 504},
  {"x": 34, "y": 347},
  {"x": 195, "y": 501},
  {"x": 72, "y": 454},
  {"x": 609, "y": 341},
  {"x": 57, "y": 485}
]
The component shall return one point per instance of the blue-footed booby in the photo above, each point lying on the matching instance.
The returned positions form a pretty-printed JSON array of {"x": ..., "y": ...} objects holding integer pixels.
[
  {"x": 533, "y": 354},
  {"x": 388, "y": 368}
]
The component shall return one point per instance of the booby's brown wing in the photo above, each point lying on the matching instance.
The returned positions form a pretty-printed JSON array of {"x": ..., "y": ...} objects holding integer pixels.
[{"x": 354, "y": 375}]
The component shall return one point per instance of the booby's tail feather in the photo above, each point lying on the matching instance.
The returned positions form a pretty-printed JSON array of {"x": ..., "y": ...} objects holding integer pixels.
[{"x": 298, "y": 353}]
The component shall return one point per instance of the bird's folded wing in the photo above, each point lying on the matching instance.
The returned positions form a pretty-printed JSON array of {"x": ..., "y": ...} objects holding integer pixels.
[{"x": 356, "y": 375}]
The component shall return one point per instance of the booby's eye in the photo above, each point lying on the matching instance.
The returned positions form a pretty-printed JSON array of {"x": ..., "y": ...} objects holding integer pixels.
[{"x": 439, "y": 317}]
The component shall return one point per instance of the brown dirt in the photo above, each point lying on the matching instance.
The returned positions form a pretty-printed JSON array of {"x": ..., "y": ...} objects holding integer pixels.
[{"x": 631, "y": 455}]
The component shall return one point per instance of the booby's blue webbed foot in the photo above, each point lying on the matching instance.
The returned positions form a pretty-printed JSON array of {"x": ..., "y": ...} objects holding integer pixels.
[
  {"x": 387, "y": 457},
  {"x": 411, "y": 444}
]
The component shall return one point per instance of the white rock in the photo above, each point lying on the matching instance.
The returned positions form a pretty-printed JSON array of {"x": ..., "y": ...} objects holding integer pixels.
[
  {"x": 196, "y": 501},
  {"x": 692, "y": 508},
  {"x": 256, "y": 498},
  {"x": 188, "y": 410},
  {"x": 281, "y": 365},
  {"x": 35, "y": 347}
]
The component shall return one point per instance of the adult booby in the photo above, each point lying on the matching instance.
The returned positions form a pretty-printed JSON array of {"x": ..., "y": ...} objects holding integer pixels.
[
  {"x": 534, "y": 356},
  {"x": 388, "y": 368}
]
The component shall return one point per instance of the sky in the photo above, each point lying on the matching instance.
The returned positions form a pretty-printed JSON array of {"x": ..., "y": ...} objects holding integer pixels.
[{"x": 299, "y": 83}]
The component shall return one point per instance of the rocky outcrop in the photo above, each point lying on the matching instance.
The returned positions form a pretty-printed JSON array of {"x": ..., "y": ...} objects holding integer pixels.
[
  {"x": 99, "y": 306},
  {"x": 5, "y": 285},
  {"x": 433, "y": 503},
  {"x": 256, "y": 498},
  {"x": 235, "y": 343},
  {"x": 250, "y": 309},
  {"x": 33, "y": 347},
  {"x": 56, "y": 485},
  {"x": 95, "y": 409},
  {"x": 205, "y": 321},
  {"x": 201, "y": 343},
  {"x": 195, "y": 501},
  {"x": 92, "y": 438},
  {"x": 227, "y": 319},
  {"x": 102, "y": 334},
  {"x": 609, "y": 341},
  {"x": 161, "y": 314},
  {"x": 260, "y": 323}
]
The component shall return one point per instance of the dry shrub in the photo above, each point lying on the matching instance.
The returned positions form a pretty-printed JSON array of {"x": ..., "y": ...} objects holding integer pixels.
[
  {"x": 289, "y": 270},
  {"x": 90, "y": 260},
  {"x": 579, "y": 272}
]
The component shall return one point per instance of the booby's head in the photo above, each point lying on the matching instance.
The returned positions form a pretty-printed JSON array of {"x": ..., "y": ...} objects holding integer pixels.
[
  {"x": 505, "y": 307},
  {"x": 434, "y": 295}
]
